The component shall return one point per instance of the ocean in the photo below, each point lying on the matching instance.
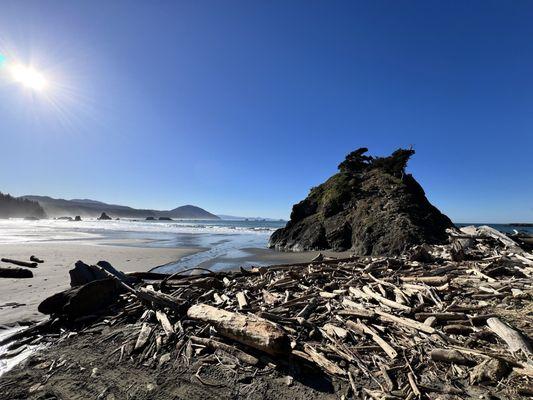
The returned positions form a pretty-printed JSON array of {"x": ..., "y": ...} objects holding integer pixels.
[{"x": 222, "y": 243}]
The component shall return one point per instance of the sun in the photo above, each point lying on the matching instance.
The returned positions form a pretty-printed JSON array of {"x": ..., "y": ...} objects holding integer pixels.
[{"x": 28, "y": 77}]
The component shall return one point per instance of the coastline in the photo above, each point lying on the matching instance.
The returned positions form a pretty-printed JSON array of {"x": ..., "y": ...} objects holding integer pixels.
[{"x": 19, "y": 298}]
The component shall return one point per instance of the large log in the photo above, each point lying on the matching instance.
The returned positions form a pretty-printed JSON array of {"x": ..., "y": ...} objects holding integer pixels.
[
  {"x": 513, "y": 338},
  {"x": 247, "y": 329},
  {"x": 20, "y": 263},
  {"x": 15, "y": 273},
  {"x": 82, "y": 300}
]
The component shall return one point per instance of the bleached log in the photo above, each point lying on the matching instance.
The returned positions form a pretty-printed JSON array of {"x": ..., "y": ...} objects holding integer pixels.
[
  {"x": 360, "y": 327},
  {"x": 334, "y": 330},
  {"x": 512, "y": 337},
  {"x": 144, "y": 335},
  {"x": 216, "y": 345},
  {"x": 428, "y": 280},
  {"x": 247, "y": 329},
  {"x": 411, "y": 323},
  {"x": 241, "y": 299},
  {"x": 384, "y": 300},
  {"x": 165, "y": 323},
  {"x": 414, "y": 386},
  {"x": 323, "y": 362},
  {"x": 485, "y": 230}
]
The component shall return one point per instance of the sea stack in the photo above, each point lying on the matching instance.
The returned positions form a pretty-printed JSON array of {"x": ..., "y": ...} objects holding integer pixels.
[
  {"x": 371, "y": 207},
  {"x": 104, "y": 217}
]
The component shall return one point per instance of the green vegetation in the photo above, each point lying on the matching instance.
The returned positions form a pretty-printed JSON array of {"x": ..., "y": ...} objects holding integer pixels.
[{"x": 13, "y": 207}]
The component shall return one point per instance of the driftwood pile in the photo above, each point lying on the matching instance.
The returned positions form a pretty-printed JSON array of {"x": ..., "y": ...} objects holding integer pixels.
[{"x": 450, "y": 321}]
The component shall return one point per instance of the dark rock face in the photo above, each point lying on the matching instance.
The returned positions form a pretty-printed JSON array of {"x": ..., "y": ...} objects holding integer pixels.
[
  {"x": 77, "y": 218},
  {"x": 104, "y": 217},
  {"x": 371, "y": 206}
]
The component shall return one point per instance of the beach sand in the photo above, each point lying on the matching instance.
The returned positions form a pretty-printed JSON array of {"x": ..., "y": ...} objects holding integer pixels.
[{"x": 19, "y": 298}]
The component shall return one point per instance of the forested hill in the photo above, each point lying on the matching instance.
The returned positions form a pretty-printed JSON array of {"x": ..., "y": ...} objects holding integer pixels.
[{"x": 14, "y": 207}]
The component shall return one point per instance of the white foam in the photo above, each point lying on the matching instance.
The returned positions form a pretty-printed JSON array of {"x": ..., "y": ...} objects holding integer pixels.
[{"x": 21, "y": 231}]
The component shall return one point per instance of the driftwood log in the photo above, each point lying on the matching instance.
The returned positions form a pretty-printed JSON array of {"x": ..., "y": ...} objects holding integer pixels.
[
  {"x": 15, "y": 273},
  {"x": 247, "y": 329},
  {"x": 82, "y": 300},
  {"x": 450, "y": 357},
  {"x": 513, "y": 338},
  {"x": 216, "y": 345},
  {"x": 20, "y": 263}
]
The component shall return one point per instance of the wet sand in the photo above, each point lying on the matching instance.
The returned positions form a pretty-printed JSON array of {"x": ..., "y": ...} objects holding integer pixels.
[
  {"x": 264, "y": 257},
  {"x": 19, "y": 298}
]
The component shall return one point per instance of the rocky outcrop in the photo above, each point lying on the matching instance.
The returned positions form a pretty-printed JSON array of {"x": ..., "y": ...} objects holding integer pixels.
[{"x": 371, "y": 206}]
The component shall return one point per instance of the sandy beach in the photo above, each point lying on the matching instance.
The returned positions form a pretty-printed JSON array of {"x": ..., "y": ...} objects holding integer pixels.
[{"x": 19, "y": 298}]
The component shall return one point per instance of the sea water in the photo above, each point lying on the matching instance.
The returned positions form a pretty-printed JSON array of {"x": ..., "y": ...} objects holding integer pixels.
[
  {"x": 223, "y": 240},
  {"x": 222, "y": 243}
]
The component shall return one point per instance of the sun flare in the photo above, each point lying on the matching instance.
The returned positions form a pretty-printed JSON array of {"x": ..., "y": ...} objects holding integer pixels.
[{"x": 28, "y": 77}]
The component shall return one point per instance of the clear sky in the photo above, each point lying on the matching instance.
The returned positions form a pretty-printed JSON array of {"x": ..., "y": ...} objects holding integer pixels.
[{"x": 241, "y": 106}]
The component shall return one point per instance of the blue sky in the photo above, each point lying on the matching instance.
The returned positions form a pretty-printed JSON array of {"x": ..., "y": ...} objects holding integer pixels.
[{"x": 241, "y": 106}]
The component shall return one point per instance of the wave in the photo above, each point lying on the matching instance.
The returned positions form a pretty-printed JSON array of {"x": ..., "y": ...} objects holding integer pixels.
[{"x": 19, "y": 230}]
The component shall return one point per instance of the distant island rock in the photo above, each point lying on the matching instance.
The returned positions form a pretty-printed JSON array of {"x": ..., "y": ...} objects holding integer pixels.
[
  {"x": 371, "y": 207},
  {"x": 77, "y": 218},
  {"x": 104, "y": 217},
  {"x": 150, "y": 219},
  {"x": 165, "y": 219},
  {"x": 92, "y": 209},
  {"x": 14, "y": 207}
]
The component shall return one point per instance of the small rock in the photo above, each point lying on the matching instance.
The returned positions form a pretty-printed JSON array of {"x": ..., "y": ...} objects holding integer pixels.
[
  {"x": 94, "y": 373},
  {"x": 288, "y": 380},
  {"x": 150, "y": 387}
]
